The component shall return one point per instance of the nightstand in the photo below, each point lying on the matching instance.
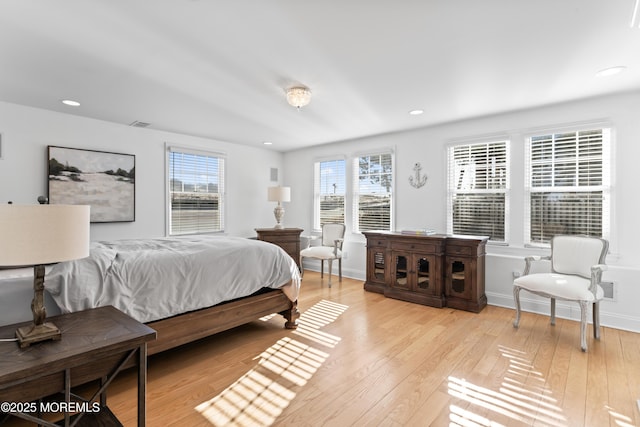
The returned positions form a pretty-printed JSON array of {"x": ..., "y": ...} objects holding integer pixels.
[
  {"x": 287, "y": 238},
  {"x": 96, "y": 344}
]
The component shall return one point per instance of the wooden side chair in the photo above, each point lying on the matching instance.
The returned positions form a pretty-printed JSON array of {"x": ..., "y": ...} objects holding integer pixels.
[{"x": 577, "y": 263}]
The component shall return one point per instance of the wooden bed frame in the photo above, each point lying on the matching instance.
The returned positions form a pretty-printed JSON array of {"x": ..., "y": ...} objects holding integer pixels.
[{"x": 184, "y": 328}]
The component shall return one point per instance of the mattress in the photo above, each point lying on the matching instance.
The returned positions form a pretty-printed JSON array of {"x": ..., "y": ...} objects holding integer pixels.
[{"x": 153, "y": 279}]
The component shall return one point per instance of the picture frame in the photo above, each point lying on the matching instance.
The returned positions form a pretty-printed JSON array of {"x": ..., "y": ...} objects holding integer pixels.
[{"x": 101, "y": 179}]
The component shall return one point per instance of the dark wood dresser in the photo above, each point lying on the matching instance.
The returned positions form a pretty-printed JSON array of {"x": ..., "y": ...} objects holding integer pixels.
[
  {"x": 434, "y": 270},
  {"x": 287, "y": 238}
]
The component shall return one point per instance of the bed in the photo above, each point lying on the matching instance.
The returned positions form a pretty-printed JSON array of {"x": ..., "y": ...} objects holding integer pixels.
[{"x": 186, "y": 288}]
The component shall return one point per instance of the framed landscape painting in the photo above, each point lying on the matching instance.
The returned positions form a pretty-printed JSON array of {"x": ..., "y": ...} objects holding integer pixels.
[{"x": 105, "y": 181}]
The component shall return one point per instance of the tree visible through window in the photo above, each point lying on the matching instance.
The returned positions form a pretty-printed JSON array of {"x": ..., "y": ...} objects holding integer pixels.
[
  {"x": 196, "y": 192},
  {"x": 374, "y": 192}
]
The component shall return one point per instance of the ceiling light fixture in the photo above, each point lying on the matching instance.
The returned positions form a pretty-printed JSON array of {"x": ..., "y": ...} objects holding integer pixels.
[
  {"x": 298, "y": 96},
  {"x": 70, "y": 102},
  {"x": 634, "y": 17},
  {"x": 611, "y": 71},
  {"x": 416, "y": 112}
]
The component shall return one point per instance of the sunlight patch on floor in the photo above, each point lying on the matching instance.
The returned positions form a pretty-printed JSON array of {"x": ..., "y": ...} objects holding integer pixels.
[
  {"x": 260, "y": 395},
  {"x": 319, "y": 315},
  {"x": 292, "y": 360},
  {"x": 253, "y": 400},
  {"x": 621, "y": 419},
  {"x": 518, "y": 397}
]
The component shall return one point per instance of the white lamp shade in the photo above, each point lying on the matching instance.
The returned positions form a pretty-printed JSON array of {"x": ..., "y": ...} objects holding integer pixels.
[
  {"x": 279, "y": 194},
  {"x": 43, "y": 234}
]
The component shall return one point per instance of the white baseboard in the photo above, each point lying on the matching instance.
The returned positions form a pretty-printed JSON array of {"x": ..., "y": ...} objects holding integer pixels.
[{"x": 565, "y": 310}]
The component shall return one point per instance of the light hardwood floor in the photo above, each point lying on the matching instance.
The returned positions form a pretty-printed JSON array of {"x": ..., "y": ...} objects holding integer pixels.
[{"x": 361, "y": 359}]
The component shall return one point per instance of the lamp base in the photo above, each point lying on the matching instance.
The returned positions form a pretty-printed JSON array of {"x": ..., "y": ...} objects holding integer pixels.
[
  {"x": 28, "y": 335},
  {"x": 278, "y": 212}
]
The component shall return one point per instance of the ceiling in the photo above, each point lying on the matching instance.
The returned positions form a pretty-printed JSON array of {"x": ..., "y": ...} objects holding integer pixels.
[{"x": 218, "y": 69}]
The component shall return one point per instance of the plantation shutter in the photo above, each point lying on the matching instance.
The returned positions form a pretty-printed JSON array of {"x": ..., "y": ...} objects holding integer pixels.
[{"x": 196, "y": 191}]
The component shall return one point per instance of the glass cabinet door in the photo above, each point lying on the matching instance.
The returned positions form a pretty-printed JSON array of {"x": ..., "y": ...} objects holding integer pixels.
[
  {"x": 401, "y": 273},
  {"x": 422, "y": 273},
  {"x": 378, "y": 266},
  {"x": 458, "y": 284}
]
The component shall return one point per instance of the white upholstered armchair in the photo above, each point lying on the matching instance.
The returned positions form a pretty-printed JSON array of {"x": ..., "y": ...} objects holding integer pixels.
[
  {"x": 577, "y": 263},
  {"x": 329, "y": 249}
]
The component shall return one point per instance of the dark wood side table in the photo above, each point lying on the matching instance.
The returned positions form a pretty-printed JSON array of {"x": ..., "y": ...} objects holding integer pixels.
[
  {"x": 96, "y": 344},
  {"x": 287, "y": 238}
]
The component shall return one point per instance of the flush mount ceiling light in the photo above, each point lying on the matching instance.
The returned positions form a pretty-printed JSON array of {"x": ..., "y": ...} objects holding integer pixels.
[
  {"x": 298, "y": 96},
  {"x": 70, "y": 102},
  {"x": 611, "y": 71},
  {"x": 634, "y": 16},
  {"x": 416, "y": 112}
]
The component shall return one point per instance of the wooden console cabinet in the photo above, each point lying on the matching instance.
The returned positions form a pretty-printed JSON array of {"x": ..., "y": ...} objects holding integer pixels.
[
  {"x": 287, "y": 238},
  {"x": 436, "y": 270}
]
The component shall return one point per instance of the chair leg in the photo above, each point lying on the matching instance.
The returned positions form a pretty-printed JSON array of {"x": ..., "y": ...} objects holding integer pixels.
[
  {"x": 321, "y": 268},
  {"x": 340, "y": 269},
  {"x": 583, "y": 325},
  {"x": 596, "y": 320},
  {"x": 553, "y": 311},
  {"x": 330, "y": 262},
  {"x": 516, "y": 298}
]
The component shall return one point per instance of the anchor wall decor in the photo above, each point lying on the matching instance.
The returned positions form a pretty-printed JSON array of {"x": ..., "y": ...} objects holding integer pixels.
[{"x": 417, "y": 181}]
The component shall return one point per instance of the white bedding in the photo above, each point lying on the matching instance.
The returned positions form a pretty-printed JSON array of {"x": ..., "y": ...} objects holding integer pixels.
[{"x": 153, "y": 279}]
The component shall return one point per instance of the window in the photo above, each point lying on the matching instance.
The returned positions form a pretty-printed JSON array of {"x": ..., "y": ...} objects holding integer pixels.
[
  {"x": 373, "y": 192},
  {"x": 478, "y": 184},
  {"x": 329, "y": 192},
  {"x": 568, "y": 184},
  {"x": 196, "y": 191}
]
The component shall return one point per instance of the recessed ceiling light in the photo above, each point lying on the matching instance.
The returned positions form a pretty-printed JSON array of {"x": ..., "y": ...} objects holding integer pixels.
[
  {"x": 416, "y": 112},
  {"x": 267, "y": 143},
  {"x": 70, "y": 102},
  {"x": 611, "y": 71}
]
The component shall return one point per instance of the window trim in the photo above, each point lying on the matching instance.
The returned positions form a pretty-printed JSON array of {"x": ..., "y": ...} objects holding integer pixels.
[{"x": 169, "y": 148}]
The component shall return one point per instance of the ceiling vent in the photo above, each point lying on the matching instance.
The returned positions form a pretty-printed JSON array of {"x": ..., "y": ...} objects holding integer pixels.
[{"x": 137, "y": 124}]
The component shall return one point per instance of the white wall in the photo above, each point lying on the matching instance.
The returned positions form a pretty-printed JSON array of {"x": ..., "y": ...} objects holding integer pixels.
[
  {"x": 26, "y": 132},
  {"x": 425, "y": 207}
]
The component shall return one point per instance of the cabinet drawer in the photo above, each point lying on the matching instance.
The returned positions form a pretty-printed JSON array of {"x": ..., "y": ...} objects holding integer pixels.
[
  {"x": 377, "y": 243},
  {"x": 289, "y": 247},
  {"x": 461, "y": 250},
  {"x": 419, "y": 247}
]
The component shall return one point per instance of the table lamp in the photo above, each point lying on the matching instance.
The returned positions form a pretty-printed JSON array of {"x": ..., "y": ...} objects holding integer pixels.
[
  {"x": 279, "y": 194},
  {"x": 35, "y": 235}
]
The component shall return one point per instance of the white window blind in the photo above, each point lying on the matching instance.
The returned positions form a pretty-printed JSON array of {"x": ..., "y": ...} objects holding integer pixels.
[
  {"x": 329, "y": 190},
  {"x": 196, "y": 192},
  {"x": 478, "y": 184},
  {"x": 568, "y": 184},
  {"x": 373, "y": 192}
]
